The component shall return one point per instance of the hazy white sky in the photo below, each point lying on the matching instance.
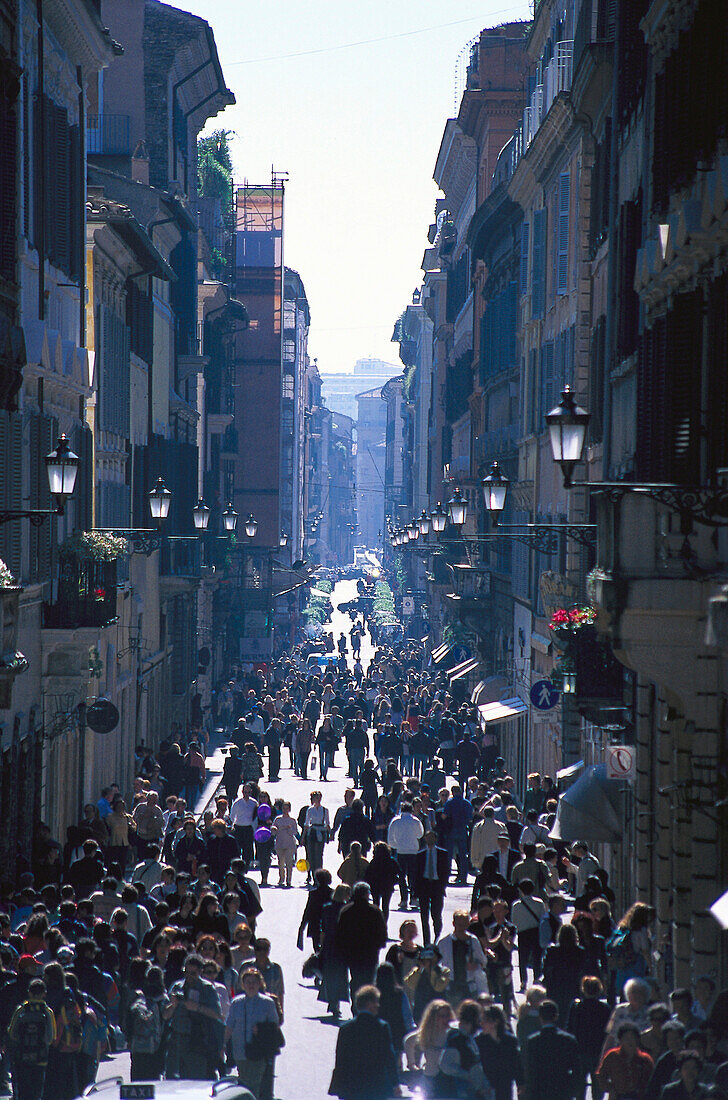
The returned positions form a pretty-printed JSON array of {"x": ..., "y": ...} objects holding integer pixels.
[{"x": 358, "y": 130}]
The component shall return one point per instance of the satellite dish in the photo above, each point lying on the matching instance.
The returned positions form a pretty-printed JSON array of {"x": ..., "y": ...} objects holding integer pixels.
[{"x": 102, "y": 716}]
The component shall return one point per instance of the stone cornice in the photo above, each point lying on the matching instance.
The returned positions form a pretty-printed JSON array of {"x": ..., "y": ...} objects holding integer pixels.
[
  {"x": 79, "y": 32},
  {"x": 662, "y": 24},
  {"x": 548, "y": 144}
]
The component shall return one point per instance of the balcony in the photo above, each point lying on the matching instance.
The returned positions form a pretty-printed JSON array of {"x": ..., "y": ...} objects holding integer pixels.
[
  {"x": 108, "y": 135},
  {"x": 86, "y": 595},
  {"x": 557, "y": 77},
  {"x": 181, "y": 557},
  {"x": 497, "y": 444}
]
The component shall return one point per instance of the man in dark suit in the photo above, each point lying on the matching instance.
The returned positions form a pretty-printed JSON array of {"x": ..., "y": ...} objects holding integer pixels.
[
  {"x": 552, "y": 1060},
  {"x": 506, "y": 856},
  {"x": 361, "y": 933},
  {"x": 366, "y": 1065},
  {"x": 432, "y": 870}
]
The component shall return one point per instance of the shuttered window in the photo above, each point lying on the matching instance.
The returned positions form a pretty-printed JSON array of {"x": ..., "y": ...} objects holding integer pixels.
[
  {"x": 113, "y": 374},
  {"x": 546, "y": 380},
  {"x": 43, "y": 540},
  {"x": 498, "y": 327},
  {"x": 562, "y": 233},
  {"x": 524, "y": 258},
  {"x": 11, "y": 465},
  {"x": 58, "y": 206},
  {"x": 630, "y": 239},
  {"x": 8, "y": 189},
  {"x": 596, "y": 379},
  {"x": 538, "y": 270},
  {"x": 668, "y": 399}
]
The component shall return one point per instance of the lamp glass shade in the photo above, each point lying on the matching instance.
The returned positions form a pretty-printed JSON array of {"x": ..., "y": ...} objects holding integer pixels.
[
  {"x": 201, "y": 515},
  {"x": 414, "y": 532},
  {"x": 438, "y": 518},
  {"x": 230, "y": 519},
  {"x": 160, "y": 499},
  {"x": 457, "y": 509},
  {"x": 251, "y": 526},
  {"x": 567, "y": 424},
  {"x": 495, "y": 489},
  {"x": 424, "y": 523},
  {"x": 569, "y": 683},
  {"x": 283, "y": 540},
  {"x": 62, "y": 468}
]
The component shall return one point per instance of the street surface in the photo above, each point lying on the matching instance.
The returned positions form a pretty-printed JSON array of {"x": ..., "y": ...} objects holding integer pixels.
[{"x": 303, "y": 1070}]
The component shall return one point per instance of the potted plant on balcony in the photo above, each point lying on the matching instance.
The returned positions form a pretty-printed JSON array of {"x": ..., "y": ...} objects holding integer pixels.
[
  {"x": 93, "y": 546},
  {"x": 566, "y": 622},
  {"x": 11, "y": 661}
]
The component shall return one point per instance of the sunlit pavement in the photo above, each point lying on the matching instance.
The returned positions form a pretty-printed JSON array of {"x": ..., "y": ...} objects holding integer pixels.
[{"x": 303, "y": 1070}]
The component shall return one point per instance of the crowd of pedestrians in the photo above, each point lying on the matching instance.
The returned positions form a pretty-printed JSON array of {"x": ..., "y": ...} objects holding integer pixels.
[{"x": 140, "y": 932}]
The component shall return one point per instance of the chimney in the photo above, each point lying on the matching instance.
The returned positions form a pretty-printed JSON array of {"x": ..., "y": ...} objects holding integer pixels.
[{"x": 140, "y": 163}]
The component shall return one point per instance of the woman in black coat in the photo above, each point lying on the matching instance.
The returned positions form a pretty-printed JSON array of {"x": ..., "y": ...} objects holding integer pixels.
[
  {"x": 499, "y": 1054},
  {"x": 382, "y": 874},
  {"x": 564, "y": 966},
  {"x": 335, "y": 976},
  {"x": 311, "y": 919},
  {"x": 587, "y": 1022}
]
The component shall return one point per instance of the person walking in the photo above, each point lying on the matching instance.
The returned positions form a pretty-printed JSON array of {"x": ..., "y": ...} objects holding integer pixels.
[
  {"x": 286, "y": 838},
  {"x": 382, "y": 874},
  {"x": 431, "y": 873},
  {"x": 28, "y": 1040},
  {"x": 253, "y": 1029},
  {"x": 369, "y": 1077},
  {"x": 403, "y": 836},
  {"x": 316, "y": 832},
  {"x": 553, "y": 1068},
  {"x": 361, "y": 933}
]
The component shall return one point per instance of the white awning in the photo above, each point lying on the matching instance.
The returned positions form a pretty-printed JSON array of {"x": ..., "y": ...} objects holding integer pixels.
[
  {"x": 504, "y": 711},
  {"x": 566, "y": 773},
  {"x": 489, "y": 690},
  {"x": 441, "y": 654},
  {"x": 463, "y": 669}
]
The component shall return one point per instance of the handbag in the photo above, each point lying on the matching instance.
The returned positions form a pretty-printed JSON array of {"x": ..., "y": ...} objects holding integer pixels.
[{"x": 267, "y": 1042}]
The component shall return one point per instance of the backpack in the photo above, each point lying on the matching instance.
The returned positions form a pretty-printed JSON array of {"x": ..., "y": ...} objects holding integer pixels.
[
  {"x": 69, "y": 1027},
  {"x": 30, "y": 1034},
  {"x": 144, "y": 1027},
  {"x": 620, "y": 953}
]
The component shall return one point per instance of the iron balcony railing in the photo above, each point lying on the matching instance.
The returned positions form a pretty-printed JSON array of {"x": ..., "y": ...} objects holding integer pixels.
[{"x": 108, "y": 134}]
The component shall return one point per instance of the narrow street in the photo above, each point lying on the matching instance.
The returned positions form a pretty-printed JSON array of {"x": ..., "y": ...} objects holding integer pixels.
[{"x": 308, "y": 1029}]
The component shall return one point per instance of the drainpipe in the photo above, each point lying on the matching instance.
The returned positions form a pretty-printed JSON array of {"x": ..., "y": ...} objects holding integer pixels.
[
  {"x": 38, "y": 174},
  {"x": 82, "y": 242},
  {"x": 610, "y": 332}
]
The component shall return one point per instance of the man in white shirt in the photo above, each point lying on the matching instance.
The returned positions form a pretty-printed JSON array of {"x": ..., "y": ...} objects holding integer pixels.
[
  {"x": 527, "y": 914},
  {"x": 243, "y": 814},
  {"x": 403, "y": 837}
]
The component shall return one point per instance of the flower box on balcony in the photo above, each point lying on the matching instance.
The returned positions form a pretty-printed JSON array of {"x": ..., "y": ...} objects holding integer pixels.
[{"x": 86, "y": 594}]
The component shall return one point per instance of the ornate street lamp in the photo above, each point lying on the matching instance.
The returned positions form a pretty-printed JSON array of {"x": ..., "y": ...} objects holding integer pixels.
[
  {"x": 283, "y": 540},
  {"x": 424, "y": 523},
  {"x": 567, "y": 424},
  {"x": 230, "y": 519},
  {"x": 457, "y": 508},
  {"x": 495, "y": 490},
  {"x": 413, "y": 531},
  {"x": 62, "y": 468},
  {"x": 251, "y": 526},
  {"x": 201, "y": 515},
  {"x": 160, "y": 499},
  {"x": 438, "y": 518}
]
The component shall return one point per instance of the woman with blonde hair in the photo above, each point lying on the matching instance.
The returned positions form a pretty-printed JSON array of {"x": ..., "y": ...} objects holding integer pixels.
[{"x": 428, "y": 1041}]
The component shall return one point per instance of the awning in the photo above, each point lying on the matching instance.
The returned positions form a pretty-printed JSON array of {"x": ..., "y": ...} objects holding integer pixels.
[
  {"x": 441, "y": 654},
  {"x": 489, "y": 690},
  {"x": 591, "y": 809},
  {"x": 567, "y": 773},
  {"x": 504, "y": 711},
  {"x": 463, "y": 669}
]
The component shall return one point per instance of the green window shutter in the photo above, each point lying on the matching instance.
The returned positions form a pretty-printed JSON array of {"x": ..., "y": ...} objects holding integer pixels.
[
  {"x": 538, "y": 270},
  {"x": 524, "y": 258},
  {"x": 562, "y": 229}
]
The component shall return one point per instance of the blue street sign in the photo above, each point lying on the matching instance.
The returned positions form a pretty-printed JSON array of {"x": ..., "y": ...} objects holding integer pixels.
[{"x": 544, "y": 696}]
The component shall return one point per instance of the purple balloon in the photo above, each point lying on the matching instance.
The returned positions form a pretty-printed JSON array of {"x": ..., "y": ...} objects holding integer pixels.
[
  {"x": 262, "y": 834},
  {"x": 264, "y": 812}
]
